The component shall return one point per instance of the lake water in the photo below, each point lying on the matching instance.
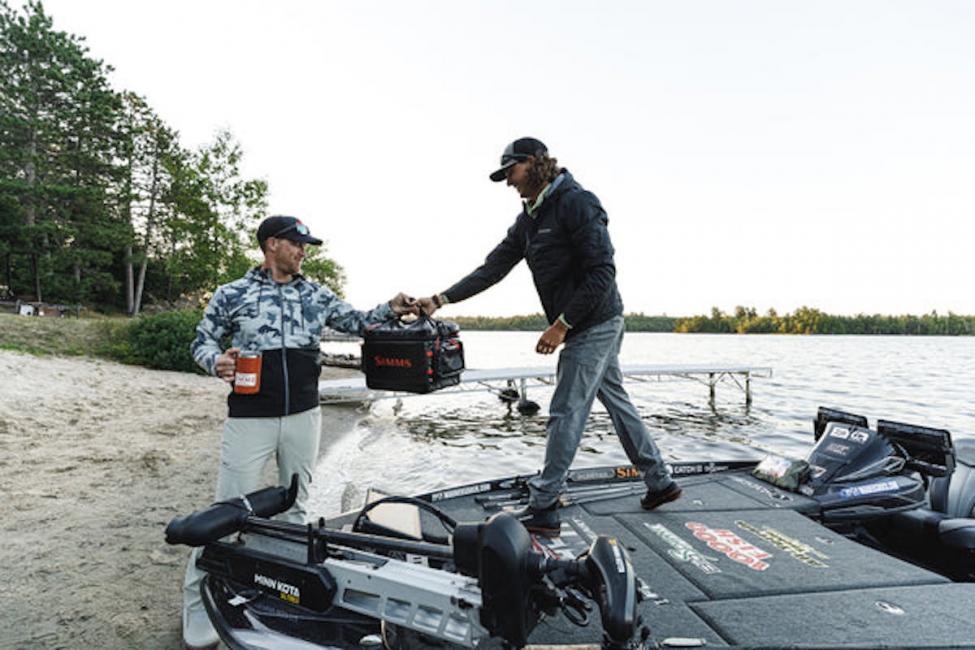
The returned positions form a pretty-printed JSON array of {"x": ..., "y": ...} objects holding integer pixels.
[{"x": 432, "y": 441}]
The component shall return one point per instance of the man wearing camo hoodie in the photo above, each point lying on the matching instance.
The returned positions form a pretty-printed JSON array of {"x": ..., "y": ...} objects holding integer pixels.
[{"x": 275, "y": 311}]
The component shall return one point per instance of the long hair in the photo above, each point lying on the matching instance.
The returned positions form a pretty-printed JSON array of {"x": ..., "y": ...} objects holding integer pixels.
[{"x": 542, "y": 171}]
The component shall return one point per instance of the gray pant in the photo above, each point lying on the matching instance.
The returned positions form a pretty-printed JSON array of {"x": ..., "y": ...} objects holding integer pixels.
[
  {"x": 588, "y": 368},
  {"x": 248, "y": 444}
]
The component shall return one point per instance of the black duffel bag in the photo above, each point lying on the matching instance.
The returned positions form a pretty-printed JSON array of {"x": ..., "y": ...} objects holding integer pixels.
[{"x": 418, "y": 356}]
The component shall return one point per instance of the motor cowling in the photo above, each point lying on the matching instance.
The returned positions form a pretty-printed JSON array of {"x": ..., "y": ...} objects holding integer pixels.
[
  {"x": 497, "y": 552},
  {"x": 612, "y": 581}
]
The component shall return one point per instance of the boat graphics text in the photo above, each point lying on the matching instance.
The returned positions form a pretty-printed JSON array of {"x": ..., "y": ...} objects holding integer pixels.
[
  {"x": 690, "y": 469},
  {"x": 731, "y": 545},
  {"x": 855, "y": 435},
  {"x": 793, "y": 547},
  {"x": 681, "y": 550},
  {"x": 627, "y": 472},
  {"x": 868, "y": 489},
  {"x": 467, "y": 490}
]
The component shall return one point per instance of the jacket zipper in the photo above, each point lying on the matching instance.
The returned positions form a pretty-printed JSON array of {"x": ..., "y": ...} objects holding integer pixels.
[{"x": 284, "y": 354}]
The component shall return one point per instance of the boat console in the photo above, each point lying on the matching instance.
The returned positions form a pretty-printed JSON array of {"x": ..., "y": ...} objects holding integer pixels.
[
  {"x": 903, "y": 487},
  {"x": 856, "y": 473}
]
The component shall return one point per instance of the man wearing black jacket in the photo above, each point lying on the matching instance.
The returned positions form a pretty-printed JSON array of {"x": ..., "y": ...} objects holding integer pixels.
[{"x": 561, "y": 232}]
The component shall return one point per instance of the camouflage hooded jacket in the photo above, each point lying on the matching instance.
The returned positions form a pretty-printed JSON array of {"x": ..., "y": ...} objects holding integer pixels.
[{"x": 283, "y": 321}]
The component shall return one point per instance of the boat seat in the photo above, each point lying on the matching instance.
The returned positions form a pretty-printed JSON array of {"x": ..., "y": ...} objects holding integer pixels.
[
  {"x": 947, "y": 529},
  {"x": 955, "y": 495},
  {"x": 936, "y": 530},
  {"x": 958, "y": 533}
]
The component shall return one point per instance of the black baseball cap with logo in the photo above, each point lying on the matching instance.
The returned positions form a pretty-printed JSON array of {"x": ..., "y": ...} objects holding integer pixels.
[
  {"x": 516, "y": 152},
  {"x": 281, "y": 227}
]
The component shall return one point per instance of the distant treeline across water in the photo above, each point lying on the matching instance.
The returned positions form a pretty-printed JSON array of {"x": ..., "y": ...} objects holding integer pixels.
[{"x": 746, "y": 320}]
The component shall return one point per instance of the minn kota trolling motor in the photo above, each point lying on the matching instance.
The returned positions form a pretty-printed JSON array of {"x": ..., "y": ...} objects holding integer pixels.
[{"x": 278, "y": 581}]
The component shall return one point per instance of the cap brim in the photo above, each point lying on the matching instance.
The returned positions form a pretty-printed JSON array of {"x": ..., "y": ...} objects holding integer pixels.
[
  {"x": 502, "y": 172},
  {"x": 305, "y": 239}
]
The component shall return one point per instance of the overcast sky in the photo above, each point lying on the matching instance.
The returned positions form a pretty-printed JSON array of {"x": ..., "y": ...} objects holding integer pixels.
[{"x": 769, "y": 154}]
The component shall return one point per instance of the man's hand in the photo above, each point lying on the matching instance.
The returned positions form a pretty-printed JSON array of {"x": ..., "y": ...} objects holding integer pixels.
[
  {"x": 551, "y": 338},
  {"x": 428, "y": 305},
  {"x": 404, "y": 304},
  {"x": 226, "y": 364}
]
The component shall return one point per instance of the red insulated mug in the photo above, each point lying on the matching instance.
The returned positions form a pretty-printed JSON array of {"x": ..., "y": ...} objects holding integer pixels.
[{"x": 247, "y": 374}]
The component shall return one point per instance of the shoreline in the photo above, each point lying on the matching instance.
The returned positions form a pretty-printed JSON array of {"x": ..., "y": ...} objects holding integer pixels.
[{"x": 96, "y": 458}]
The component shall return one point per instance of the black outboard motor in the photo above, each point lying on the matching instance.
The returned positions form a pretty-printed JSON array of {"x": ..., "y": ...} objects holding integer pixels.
[{"x": 856, "y": 473}]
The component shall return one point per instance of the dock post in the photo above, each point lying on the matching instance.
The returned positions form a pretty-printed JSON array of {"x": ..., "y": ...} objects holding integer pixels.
[
  {"x": 748, "y": 389},
  {"x": 525, "y": 405},
  {"x": 711, "y": 387}
]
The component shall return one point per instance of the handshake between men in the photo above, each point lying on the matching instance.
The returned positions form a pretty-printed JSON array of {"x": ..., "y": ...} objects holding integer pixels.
[
  {"x": 402, "y": 304},
  {"x": 551, "y": 338}
]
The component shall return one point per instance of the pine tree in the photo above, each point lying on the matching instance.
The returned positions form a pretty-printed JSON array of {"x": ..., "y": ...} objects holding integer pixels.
[
  {"x": 148, "y": 142},
  {"x": 57, "y": 152},
  {"x": 99, "y": 202}
]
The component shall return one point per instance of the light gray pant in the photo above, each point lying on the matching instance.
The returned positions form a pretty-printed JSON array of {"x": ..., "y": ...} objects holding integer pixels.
[
  {"x": 588, "y": 368},
  {"x": 248, "y": 444}
]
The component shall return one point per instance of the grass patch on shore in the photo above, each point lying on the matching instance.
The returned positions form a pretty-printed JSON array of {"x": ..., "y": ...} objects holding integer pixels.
[
  {"x": 43, "y": 336},
  {"x": 92, "y": 337},
  {"x": 160, "y": 341}
]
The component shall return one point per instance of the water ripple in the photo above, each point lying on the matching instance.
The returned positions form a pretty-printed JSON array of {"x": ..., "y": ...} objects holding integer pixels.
[{"x": 440, "y": 440}]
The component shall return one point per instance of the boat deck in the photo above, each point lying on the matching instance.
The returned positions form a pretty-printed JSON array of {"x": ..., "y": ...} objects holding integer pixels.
[{"x": 733, "y": 562}]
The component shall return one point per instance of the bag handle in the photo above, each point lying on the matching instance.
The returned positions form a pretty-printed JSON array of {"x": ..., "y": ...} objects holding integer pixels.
[
  {"x": 399, "y": 318},
  {"x": 423, "y": 316}
]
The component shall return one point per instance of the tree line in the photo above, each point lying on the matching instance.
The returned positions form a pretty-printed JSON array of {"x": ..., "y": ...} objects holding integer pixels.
[
  {"x": 520, "y": 323},
  {"x": 747, "y": 320},
  {"x": 537, "y": 322},
  {"x": 100, "y": 202},
  {"x": 808, "y": 320}
]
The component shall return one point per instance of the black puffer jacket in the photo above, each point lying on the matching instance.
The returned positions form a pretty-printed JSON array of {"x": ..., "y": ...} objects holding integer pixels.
[{"x": 567, "y": 247}]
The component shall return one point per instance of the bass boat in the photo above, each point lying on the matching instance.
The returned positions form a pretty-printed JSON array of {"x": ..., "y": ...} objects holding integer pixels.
[{"x": 867, "y": 542}]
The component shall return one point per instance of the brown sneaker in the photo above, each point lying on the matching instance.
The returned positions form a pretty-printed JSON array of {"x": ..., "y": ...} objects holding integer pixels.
[
  {"x": 652, "y": 499},
  {"x": 542, "y": 522}
]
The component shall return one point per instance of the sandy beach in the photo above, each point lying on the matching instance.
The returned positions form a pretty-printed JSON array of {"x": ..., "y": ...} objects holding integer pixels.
[{"x": 95, "y": 459}]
